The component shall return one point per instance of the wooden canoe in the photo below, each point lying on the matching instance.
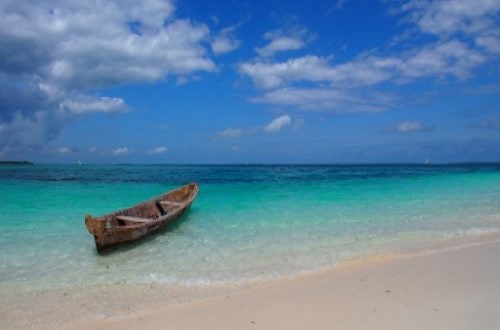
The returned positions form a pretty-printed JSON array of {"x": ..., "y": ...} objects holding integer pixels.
[{"x": 135, "y": 222}]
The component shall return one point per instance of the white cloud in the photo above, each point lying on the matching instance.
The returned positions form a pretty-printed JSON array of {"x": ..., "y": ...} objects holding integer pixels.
[
  {"x": 278, "y": 123},
  {"x": 283, "y": 40},
  {"x": 333, "y": 85},
  {"x": 321, "y": 99},
  {"x": 225, "y": 41},
  {"x": 280, "y": 44},
  {"x": 229, "y": 133},
  {"x": 64, "y": 150},
  {"x": 467, "y": 39},
  {"x": 122, "y": 151},
  {"x": 452, "y": 58},
  {"x": 411, "y": 126},
  {"x": 222, "y": 45},
  {"x": 88, "y": 104},
  {"x": 270, "y": 75},
  {"x": 490, "y": 42},
  {"x": 451, "y": 18},
  {"x": 81, "y": 45},
  {"x": 158, "y": 150},
  {"x": 447, "y": 17},
  {"x": 69, "y": 48}
]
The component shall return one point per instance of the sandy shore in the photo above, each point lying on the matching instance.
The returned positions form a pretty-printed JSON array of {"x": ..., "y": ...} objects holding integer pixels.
[{"x": 449, "y": 288}]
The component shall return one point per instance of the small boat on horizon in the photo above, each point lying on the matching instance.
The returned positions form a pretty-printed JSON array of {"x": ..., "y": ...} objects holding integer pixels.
[{"x": 135, "y": 222}]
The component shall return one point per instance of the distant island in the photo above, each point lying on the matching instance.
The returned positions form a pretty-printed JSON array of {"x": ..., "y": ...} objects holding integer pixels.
[{"x": 15, "y": 162}]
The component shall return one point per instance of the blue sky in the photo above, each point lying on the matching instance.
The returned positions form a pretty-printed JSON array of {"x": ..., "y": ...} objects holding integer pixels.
[{"x": 250, "y": 81}]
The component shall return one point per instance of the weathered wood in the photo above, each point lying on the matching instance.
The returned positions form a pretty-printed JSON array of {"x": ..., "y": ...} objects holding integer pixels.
[
  {"x": 134, "y": 219},
  {"x": 125, "y": 226}
]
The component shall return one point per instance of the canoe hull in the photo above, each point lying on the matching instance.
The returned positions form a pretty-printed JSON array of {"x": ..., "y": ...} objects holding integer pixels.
[{"x": 134, "y": 223}]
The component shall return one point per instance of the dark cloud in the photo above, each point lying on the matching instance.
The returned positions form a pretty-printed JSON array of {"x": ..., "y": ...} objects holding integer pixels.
[
  {"x": 22, "y": 55},
  {"x": 21, "y": 95}
]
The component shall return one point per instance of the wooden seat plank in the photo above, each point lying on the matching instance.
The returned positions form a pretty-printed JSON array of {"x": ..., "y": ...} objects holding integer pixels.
[
  {"x": 171, "y": 203},
  {"x": 134, "y": 219}
]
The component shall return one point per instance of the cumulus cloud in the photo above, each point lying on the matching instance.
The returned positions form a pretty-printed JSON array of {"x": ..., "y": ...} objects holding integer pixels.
[
  {"x": 225, "y": 41},
  {"x": 278, "y": 123},
  {"x": 283, "y": 40},
  {"x": 268, "y": 75},
  {"x": 490, "y": 42},
  {"x": 79, "y": 45},
  {"x": 453, "y": 58},
  {"x": 52, "y": 54},
  {"x": 444, "y": 18},
  {"x": 466, "y": 40}
]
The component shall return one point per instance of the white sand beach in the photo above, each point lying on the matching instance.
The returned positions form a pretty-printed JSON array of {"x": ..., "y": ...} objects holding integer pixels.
[{"x": 454, "y": 287}]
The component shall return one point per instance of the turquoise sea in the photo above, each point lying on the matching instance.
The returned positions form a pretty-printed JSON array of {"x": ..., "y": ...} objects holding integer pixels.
[{"x": 248, "y": 223}]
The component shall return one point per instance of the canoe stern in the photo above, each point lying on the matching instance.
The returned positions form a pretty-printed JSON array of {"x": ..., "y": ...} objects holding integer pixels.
[{"x": 95, "y": 226}]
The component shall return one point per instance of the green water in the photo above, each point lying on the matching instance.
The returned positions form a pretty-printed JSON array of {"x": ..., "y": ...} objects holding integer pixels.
[{"x": 248, "y": 222}]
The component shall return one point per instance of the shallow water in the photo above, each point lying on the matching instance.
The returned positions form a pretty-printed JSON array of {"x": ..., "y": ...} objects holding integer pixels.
[{"x": 248, "y": 222}]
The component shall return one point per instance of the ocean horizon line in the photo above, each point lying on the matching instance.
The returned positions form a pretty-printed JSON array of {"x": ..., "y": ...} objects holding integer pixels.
[{"x": 8, "y": 162}]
